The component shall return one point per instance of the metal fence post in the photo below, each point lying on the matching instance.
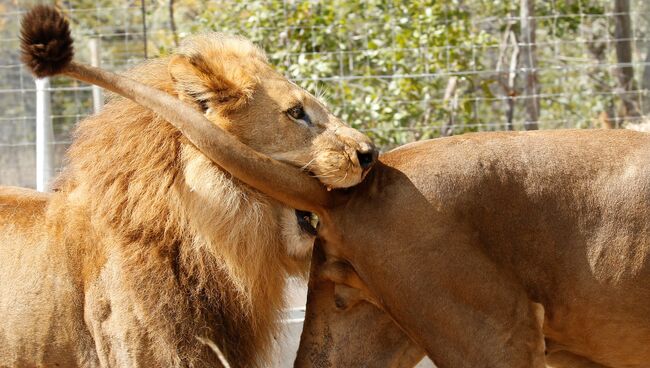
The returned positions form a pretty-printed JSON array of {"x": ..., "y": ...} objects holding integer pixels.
[
  {"x": 44, "y": 135},
  {"x": 98, "y": 98}
]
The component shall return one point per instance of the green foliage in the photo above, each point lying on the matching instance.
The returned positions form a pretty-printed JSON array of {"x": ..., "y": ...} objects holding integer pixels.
[{"x": 383, "y": 66}]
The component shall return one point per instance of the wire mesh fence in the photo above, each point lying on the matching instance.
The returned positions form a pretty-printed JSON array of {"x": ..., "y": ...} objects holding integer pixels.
[
  {"x": 71, "y": 101},
  {"x": 400, "y": 71}
]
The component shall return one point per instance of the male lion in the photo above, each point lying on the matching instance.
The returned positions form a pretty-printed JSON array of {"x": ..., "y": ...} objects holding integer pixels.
[{"x": 147, "y": 250}]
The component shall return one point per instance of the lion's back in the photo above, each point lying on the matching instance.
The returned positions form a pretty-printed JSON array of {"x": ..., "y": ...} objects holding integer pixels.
[
  {"x": 37, "y": 296},
  {"x": 22, "y": 222},
  {"x": 21, "y": 206}
]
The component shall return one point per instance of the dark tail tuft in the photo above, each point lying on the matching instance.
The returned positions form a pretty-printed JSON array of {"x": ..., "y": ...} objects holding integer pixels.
[{"x": 45, "y": 41}]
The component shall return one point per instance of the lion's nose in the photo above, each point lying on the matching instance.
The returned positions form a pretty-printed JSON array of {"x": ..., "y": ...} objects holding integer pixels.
[{"x": 367, "y": 157}]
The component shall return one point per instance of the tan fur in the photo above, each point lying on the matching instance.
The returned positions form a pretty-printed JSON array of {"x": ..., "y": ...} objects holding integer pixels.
[
  {"x": 147, "y": 247},
  {"x": 519, "y": 249},
  {"x": 344, "y": 330}
]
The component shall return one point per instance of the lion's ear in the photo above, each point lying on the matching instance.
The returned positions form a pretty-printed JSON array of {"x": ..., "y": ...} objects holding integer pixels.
[{"x": 221, "y": 86}]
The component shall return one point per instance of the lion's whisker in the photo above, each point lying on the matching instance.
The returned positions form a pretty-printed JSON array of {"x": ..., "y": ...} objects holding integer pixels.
[
  {"x": 306, "y": 166},
  {"x": 329, "y": 172},
  {"x": 343, "y": 178}
]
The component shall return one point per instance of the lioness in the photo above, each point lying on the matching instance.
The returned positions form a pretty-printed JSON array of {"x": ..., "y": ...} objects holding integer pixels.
[
  {"x": 518, "y": 249},
  {"x": 147, "y": 250}
]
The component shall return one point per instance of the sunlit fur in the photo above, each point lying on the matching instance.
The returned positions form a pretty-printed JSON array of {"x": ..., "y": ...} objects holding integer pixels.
[{"x": 146, "y": 244}]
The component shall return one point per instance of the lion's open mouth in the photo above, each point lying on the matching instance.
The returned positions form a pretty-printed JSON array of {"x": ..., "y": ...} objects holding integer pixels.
[{"x": 307, "y": 222}]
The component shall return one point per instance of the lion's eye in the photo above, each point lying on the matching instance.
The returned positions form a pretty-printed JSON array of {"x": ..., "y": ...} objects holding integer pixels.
[
  {"x": 203, "y": 104},
  {"x": 298, "y": 113}
]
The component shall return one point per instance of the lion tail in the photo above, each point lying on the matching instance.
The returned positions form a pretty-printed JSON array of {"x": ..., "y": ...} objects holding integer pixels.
[{"x": 45, "y": 41}]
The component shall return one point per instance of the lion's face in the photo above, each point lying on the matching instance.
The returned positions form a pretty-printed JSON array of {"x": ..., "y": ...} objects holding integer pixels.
[
  {"x": 291, "y": 125},
  {"x": 228, "y": 77}
]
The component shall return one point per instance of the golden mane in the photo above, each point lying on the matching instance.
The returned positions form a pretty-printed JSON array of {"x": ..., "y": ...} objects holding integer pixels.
[{"x": 183, "y": 226}]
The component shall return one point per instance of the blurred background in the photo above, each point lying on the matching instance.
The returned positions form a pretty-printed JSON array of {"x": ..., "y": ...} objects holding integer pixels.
[{"x": 400, "y": 71}]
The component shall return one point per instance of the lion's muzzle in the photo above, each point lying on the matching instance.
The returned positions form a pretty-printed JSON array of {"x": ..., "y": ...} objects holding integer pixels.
[{"x": 366, "y": 152}]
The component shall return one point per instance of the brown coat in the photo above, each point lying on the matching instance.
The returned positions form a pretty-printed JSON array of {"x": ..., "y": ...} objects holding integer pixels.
[{"x": 490, "y": 249}]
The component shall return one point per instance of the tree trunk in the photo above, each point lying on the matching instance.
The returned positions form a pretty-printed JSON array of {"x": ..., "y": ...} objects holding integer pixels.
[
  {"x": 625, "y": 69},
  {"x": 529, "y": 63},
  {"x": 143, "y": 11},
  {"x": 172, "y": 22},
  {"x": 645, "y": 83},
  {"x": 508, "y": 79},
  {"x": 450, "y": 101},
  {"x": 598, "y": 48},
  {"x": 512, "y": 81}
]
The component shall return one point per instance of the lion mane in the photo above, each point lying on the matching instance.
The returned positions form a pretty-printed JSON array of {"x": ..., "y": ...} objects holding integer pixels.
[
  {"x": 197, "y": 250},
  {"x": 164, "y": 244}
]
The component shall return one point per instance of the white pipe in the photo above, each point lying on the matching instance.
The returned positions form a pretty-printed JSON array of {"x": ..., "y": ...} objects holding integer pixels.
[
  {"x": 44, "y": 135},
  {"x": 98, "y": 98}
]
